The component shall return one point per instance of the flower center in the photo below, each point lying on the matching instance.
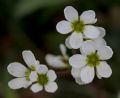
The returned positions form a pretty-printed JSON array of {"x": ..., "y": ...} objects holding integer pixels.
[
  {"x": 78, "y": 26},
  {"x": 93, "y": 59},
  {"x": 27, "y": 74},
  {"x": 42, "y": 79},
  {"x": 32, "y": 68}
]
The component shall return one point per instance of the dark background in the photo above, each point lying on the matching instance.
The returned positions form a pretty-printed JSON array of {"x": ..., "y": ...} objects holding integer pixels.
[{"x": 31, "y": 25}]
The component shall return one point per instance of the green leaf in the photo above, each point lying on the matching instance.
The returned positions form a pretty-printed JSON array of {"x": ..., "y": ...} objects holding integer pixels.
[{"x": 25, "y": 7}]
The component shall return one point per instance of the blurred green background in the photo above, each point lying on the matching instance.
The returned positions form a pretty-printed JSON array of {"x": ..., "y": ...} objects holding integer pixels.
[{"x": 31, "y": 24}]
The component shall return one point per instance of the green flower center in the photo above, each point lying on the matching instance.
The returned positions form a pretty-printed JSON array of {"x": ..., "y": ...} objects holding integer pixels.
[
  {"x": 32, "y": 68},
  {"x": 28, "y": 72},
  {"x": 42, "y": 79},
  {"x": 78, "y": 26},
  {"x": 93, "y": 59}
]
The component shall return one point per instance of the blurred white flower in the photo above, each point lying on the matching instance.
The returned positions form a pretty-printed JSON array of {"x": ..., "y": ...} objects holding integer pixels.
[
  {"x": 59, "y": 61},
  {"x": 21, "y": 72},
  {"x": 44, "y": 79},
  {"x": 90, "y": 60},
  {"x": 80, "y": 26}
]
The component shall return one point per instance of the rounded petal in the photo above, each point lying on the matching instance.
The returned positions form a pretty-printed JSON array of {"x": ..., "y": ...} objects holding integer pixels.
[
  {"x": 77, "y": 61},
  {"x": 70, "y": 13},
  {"x": 76, "y": 40},
  {"x": 63, "y": 49},
  {"x": 104, "y": 70},
  {"x": 51, "y": 75},
  {"x": 87, "y": 74},
  {"x": 64, "y": 27},
  {"x": 67, "y": 42},
  {"x": 51, "y": 87},
  {"x": 79, "y": 81},
  {"x": 42, "y": 69},
  {"x": 36, "y": 88},
  {"x": 87, "y": 47},
  {"x": 17, "y": 69},
  {"x": 33, "y": 76},
  {"x": 98, "y": 75},
  {"x": 18, "y": 83},
  {"x": 75, "y": 72},
  {"x": 88, "y": 17},
  {"x": 102, "y": 31},
  {"x": 99, "y": 42},
  {"x": 55, "y": 61},
  {"x": 29, "y": 58},
  {"x": 91, "y": 32},
  {"x": 105, "y": 53}
]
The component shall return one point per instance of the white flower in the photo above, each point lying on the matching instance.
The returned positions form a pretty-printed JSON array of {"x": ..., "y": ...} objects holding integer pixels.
[
  {"x": 98, "y": 42},
  {"x": 80, "y": 26},
  {"x": 44, "y": 79},
  {"x": 89, "y": 61},
  {"x": 59, "y": 61},
  {"x": 21, "y": 72}
]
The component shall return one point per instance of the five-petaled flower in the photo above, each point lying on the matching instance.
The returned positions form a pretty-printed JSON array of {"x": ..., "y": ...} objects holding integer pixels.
[
  {"x": 44, "y": 78},
  {"x": 80, "y": 26},
  {"x": 21, "y": 72},
  {"x": 90, "y": 60}
]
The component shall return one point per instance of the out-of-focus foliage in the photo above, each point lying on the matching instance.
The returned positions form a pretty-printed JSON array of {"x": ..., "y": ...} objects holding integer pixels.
[{"x": 31, "y": 24}]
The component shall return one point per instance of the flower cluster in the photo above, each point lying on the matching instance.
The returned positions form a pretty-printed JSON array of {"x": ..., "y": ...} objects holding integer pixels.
[
  {"x": 90, "y": 41},
  {"x": 91, "y": 59},
  {"x": 35, "y": 75}
]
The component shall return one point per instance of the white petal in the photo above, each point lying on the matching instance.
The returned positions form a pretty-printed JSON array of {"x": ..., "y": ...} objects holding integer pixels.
[
  {"x": 79, "y": 81},
  {"x": 98, "y": 75},
  {"x": 18, "y": 83},
  {"x": 102, "y": 31},
  {"x": 87, "y": 74},
  {"x": 33, "y": 76},
  {"x": 17, "y": 69},
  {"x": 42, "y": 69},
  {"x": 105, "y": 53},
  {"x": 36, "y": 88},
  {"x": 29, "y": 58},
  {"x": 88, "y": 17},
  {"x": 51, "y": 75},
  {"x": 71, "y": 13},
  {"x": 91, "y": 31},
  {"x": 88, "y": 47},
  {"x": 99, "y": 42},
  {"x": 104, "y": 70},
  {"x": 76, "y": 40},
  {"x": 64, "y": 27},
  {"x": 55, "y": 61},
  {"x": 77, "y": 61},
  {"x": 67, "y": 42},
  {"x": 28, "y": 83},
  {"x": 63, "y": 49},
  {"x": 75, "y": 72},
  {"x": 51, "y": 87}
]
